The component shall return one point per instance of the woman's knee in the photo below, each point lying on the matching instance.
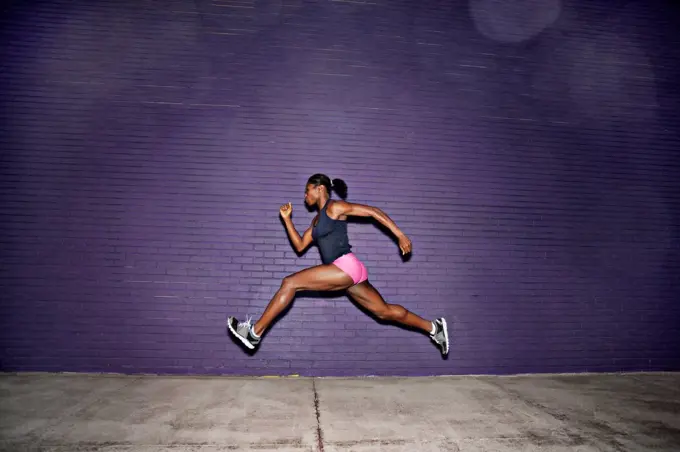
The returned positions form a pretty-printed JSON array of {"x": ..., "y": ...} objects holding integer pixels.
[
  {"x": 391, "y": 312},
  {"x": 290, "y": 282}
]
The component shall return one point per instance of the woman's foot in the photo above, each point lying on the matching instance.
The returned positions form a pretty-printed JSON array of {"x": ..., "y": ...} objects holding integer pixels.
[
  {"x": 243, "y": 332},
  {"x": 441, "y": 334}
]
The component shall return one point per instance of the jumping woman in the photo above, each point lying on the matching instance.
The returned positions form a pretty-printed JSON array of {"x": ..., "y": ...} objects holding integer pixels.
[{"x": 341, "y": 270}]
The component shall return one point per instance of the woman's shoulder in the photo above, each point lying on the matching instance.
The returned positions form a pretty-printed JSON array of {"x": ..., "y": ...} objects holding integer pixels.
[
  {"x": 336, "y": 210},
  {"x": 337, "y": 206}
]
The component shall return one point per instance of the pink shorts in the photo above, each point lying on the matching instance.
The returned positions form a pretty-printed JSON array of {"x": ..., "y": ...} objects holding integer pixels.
[{"x": 352, "y": 266}]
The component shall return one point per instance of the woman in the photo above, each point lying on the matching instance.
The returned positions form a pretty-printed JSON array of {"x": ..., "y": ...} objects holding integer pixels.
[{"x": 341, "y": 270}]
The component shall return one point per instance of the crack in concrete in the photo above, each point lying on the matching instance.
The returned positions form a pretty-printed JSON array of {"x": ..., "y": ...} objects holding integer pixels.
[{"x": 319, "y": 432}]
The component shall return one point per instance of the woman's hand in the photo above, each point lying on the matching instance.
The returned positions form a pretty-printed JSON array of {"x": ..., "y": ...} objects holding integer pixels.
[
  {"x": 404, "y": 244},
  {"x": 286, "y": 210}
]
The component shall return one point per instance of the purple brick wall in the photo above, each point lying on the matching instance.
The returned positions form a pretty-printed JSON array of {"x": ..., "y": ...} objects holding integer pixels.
[{"x": 529, "y": 149}]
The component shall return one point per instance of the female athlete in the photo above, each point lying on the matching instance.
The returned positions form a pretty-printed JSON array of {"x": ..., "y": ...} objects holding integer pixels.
[{"x": 341, "y": 270}]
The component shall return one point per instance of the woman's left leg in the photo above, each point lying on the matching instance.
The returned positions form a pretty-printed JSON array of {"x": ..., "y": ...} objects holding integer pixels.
[{"x": 319, "y": 278}]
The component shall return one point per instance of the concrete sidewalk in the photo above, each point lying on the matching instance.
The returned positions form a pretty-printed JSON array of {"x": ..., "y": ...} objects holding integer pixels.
[{"x": 600, "y": 412}]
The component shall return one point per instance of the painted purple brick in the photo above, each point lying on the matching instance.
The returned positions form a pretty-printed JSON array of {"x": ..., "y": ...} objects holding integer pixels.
[{"x": 530, "y": 156}]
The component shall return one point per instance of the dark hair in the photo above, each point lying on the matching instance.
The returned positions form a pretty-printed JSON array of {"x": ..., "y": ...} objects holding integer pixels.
[{"x": 338, "y": 185}]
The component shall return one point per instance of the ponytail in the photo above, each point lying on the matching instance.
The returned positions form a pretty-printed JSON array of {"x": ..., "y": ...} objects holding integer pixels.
[
  {"x": 337, "y": 185},
  {"x": 340, "y": 187}
]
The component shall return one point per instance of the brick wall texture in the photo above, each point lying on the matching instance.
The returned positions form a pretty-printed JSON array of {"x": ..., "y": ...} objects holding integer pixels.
[{"x": 529, "y": 150}]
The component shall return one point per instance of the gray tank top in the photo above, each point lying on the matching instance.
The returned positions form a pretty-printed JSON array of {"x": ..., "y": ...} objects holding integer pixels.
[{"x": 330, "y": 236}]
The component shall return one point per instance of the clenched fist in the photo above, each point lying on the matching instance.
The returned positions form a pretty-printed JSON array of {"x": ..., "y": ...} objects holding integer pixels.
[{"x": 286, "y": 210}]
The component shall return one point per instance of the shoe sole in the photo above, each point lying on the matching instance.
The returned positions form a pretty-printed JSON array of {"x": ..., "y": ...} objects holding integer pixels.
[
  {"x": 238, "y": 336},
  {"x": 446, "y": 335}
]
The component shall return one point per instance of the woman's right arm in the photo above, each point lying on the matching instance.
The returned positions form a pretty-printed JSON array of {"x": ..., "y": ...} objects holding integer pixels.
[{"x": 299, "y": 243}]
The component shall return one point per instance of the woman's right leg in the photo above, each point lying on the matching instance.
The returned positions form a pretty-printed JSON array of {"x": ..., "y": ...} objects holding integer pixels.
[{"x": 367, "y": 296}]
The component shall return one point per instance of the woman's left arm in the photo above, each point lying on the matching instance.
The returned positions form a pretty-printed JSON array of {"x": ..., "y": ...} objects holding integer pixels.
[{"x": 362, "y": 210}]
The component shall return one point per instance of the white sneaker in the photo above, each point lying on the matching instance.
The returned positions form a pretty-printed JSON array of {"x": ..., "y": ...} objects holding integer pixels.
[{"x": 243, "y": 332}]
